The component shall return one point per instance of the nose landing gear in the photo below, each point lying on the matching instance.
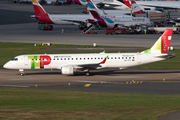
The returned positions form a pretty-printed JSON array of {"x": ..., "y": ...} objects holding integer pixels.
[{"x": 21, "y": 72}]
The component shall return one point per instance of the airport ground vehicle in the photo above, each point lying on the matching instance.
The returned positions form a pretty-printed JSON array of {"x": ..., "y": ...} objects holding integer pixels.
[
  {"x": 116, "y": 31},
  {"x": 45, "y": 27},
  {"x": 90, "y": 32}
]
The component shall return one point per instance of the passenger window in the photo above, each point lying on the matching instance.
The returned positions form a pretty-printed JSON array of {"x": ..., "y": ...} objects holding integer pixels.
[
  {"x": 122, "y": 57},
  {"x": 84, "y": 58},
  {"x": 101, "y": 58},
  {"x": 58, "y": 59},
  {"x": 68, "y": 58},
  {"x": 118, "y": 57},
  {"x": 115, "y": 58},
  {"x": 76, "y": 58},
  {"x": 64, "y": 58},
  {"x": 111, "y": 57},
  {"x": 72, "y": 58}
]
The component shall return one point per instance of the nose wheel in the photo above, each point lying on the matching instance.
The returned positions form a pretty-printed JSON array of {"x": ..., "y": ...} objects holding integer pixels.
[{"x": 21, "y": 72}]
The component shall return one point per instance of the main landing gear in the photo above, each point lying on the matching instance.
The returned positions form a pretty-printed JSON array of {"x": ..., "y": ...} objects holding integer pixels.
[{"x": 86, "y": 72}]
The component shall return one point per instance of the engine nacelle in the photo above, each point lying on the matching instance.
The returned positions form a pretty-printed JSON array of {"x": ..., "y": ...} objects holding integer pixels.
[
  {"x": 68, "y": 70},
  {"x": 119, "y": 26}
]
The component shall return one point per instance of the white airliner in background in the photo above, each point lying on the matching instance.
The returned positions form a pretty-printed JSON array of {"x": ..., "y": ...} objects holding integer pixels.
[
  {"x": 113, "y": 22},
  {"x": 71, "y": 63},
  {"x": 62, "y": 19},
  {"x": 125, "y": 4}
]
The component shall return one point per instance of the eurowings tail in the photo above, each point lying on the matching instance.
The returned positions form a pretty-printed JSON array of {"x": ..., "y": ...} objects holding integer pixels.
[
  {"x": 93, "y": 10},
  {"x": 162, "y": 44}
]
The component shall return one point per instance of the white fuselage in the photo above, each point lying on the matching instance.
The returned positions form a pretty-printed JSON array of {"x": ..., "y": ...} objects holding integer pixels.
[
  {"x": 159, "y": 4},
  {"x": 57, "y": 61},
  {"x": 128, "y": 21}
]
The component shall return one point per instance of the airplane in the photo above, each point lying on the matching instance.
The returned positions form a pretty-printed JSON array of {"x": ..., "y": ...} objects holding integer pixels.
[
  {"x": 63, "y": 19},
  {"x": 125, "y": 4},
  {"x": 69, "y": 64},
  {"x": 116, "y": 21},
  {"x": 152, "y": 5},
  {"x": 117, "y": 4},
  {"x": 135, "y": 9}
]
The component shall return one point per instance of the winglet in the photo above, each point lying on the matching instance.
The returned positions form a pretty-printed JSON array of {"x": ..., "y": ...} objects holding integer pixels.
[
  {"x": 103, "y": 60},
  {"x": 162, "y": 44}
]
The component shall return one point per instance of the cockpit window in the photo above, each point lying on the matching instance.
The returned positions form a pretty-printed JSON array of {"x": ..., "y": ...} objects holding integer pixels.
[{"x": 15, "y": 59}]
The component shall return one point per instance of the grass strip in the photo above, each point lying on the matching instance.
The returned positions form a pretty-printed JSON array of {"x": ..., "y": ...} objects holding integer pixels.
[{"x": 21, "y": 103}]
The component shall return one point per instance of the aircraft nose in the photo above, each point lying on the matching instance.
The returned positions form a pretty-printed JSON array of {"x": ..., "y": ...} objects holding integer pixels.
[
  {"x": 77, "y": 2},
  {"x": 5, "y": 65}
]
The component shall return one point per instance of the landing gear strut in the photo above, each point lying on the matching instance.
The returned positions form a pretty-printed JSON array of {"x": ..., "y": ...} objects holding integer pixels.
[
  {"x": 21, "y": 72},
  {"x": 86, "y": 72}
]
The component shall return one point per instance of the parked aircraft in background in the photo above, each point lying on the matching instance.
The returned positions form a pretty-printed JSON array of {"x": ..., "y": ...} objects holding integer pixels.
[
  {"x": 125, "y": 4},
  {"x": 117, "y": 4},
  {"x": 152, "y": 5},
  {"x": 134, "y": 8},
  {"x": 123, "y": 21},
  {"x": 62, "y": 19},
  {"x": 71, "y": 63},
  {"x": 137, "y": 10}
]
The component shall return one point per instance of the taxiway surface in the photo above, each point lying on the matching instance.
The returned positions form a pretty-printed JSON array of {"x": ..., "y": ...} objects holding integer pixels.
[{"x": 163, "y": 82}]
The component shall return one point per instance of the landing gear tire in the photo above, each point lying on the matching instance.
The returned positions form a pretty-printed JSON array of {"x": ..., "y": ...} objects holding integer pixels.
[
  {"x": 87, "y": 73},
  {"x": 22, "y": 74}
]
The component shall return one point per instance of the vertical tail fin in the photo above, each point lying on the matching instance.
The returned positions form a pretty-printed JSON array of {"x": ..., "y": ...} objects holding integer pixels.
[
  {"x": 126, "y": 2},
  {"x": 40, "y": 13},
  {"x": 93, "y": 10},
  {"x": 162, "y": 44},
  {"x": 39, "y": 10},
  {"x": 136, "y": 9}
]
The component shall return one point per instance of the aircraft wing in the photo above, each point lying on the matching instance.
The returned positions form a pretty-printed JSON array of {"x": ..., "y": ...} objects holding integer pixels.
[
  {"x": 87, "y": 66},
  {"x": 112, "y": 5},
  {"x": 74, "y": 21}
]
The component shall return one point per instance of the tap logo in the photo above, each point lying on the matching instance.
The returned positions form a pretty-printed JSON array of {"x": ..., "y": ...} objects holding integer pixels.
[{"x": 39, "y": 61}]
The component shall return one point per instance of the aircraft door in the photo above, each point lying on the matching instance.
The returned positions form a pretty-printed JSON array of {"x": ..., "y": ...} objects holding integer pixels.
[
  {"x": 26, "y": 60},
  {"x": 139, "y": 57}
]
